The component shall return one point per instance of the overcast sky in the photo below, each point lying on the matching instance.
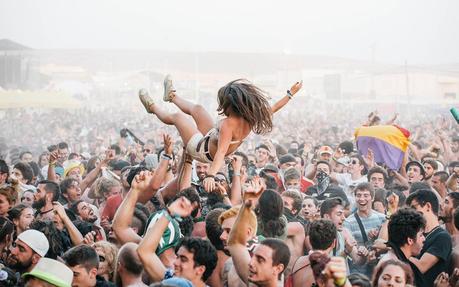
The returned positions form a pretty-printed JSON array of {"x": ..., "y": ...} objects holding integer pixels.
[{"x": 421, "y": 32}]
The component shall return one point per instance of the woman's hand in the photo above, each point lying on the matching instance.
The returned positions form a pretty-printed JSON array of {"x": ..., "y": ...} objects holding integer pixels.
[{"x": 296, "y": 87}]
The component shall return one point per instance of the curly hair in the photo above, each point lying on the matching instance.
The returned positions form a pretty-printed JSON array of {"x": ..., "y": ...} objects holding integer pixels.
[
  {"x": 204, "y": 253},
  {"x": 409, "y": 278},
  {"x": 404, "y": 224},
  {"x": 103, "y": 186},
  {"x": 322, "y": 233},
  {"x": 246, "y": 101}
]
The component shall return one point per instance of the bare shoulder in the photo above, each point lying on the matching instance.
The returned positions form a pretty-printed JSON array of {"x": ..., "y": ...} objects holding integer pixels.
[
  {"x": 295, "y": 228},
  {"x": 228, "y": 123},
  {"x": 300, "y": 263}
]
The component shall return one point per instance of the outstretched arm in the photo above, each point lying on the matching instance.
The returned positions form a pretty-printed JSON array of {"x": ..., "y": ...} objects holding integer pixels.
[
  {"x": 239, "y": 234},
  {"x": 237, "y": 242},
  {"x": 160, "y": 173},
  {"x": 147, "y": 247},
  {"x": 51, "y": 165},
  {"x": 282, "y": 102},
  {"x": 224, "y": 139},
  {"x": 92, "y": 176},
  {"x": 124, "y": 214},
  {"x": 74, "y": 233}
]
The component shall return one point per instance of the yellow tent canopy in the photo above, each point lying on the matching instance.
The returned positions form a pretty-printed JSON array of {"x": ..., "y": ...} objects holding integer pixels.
[{"x": 37, "y": 99}]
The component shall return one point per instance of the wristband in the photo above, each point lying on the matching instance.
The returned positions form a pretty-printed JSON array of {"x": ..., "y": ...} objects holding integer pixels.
[
  {"x": 166, "y": 156},
  {"x": 236, "y": 174},
  {"x": 340, "y": 281}
]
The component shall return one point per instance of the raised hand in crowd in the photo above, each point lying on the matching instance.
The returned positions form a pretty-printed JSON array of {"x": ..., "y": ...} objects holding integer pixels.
[
  {"x": 74, "y": 233},
  {"x": 252, "y": 191},
  {"x": 123, "y": 216}
]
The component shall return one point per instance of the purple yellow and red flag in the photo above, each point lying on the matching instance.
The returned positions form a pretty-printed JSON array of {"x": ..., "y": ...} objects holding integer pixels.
[{"x": 388, "y": 143}]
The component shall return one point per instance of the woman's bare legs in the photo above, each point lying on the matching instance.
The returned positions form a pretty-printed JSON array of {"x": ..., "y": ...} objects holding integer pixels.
[
  {"x": 185, "y": 127},
  {"x": 200, "y": 115}
]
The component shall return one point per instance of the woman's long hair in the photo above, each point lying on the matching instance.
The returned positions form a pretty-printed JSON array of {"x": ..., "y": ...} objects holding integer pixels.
[
  {"x": 248, "y": 102},
  {"x": 270, "y": 210}
]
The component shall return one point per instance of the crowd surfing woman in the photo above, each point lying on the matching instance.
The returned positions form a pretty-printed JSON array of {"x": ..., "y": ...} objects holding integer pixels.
[{"x": 246, "y": 109}]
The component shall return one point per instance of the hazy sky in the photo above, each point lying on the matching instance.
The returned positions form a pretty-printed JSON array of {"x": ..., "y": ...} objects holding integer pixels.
[{"x": 421, "y": 32}]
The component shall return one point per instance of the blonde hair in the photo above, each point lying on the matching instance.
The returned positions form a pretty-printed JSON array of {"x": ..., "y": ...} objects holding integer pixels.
[
  {"x": 233, "y": 211},
  {"x": 103, "y": 185},
  {"x": 110, "y": 251}
]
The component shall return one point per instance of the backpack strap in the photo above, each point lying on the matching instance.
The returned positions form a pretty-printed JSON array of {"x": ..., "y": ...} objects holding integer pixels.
[{"x": 362, "y": 229}]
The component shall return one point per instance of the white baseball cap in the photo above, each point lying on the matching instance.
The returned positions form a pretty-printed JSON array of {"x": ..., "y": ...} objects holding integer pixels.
[{"x": 36, "y": 240}]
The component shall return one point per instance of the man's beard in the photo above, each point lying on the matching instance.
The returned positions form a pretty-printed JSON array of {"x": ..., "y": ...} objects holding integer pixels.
[
  {"x": 14, "y": 263},
  {"x": 202, "y": 176},
  {"x": 39, "y": 204},
  {"x": 91, "y": 219}
]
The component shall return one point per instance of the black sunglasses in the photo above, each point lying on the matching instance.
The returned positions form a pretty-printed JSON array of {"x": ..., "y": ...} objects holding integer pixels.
[{"x": 101, "y": 258}]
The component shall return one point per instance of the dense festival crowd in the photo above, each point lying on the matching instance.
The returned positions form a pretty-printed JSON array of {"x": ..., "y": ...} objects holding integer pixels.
[{"x": 113, "y": 197}]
